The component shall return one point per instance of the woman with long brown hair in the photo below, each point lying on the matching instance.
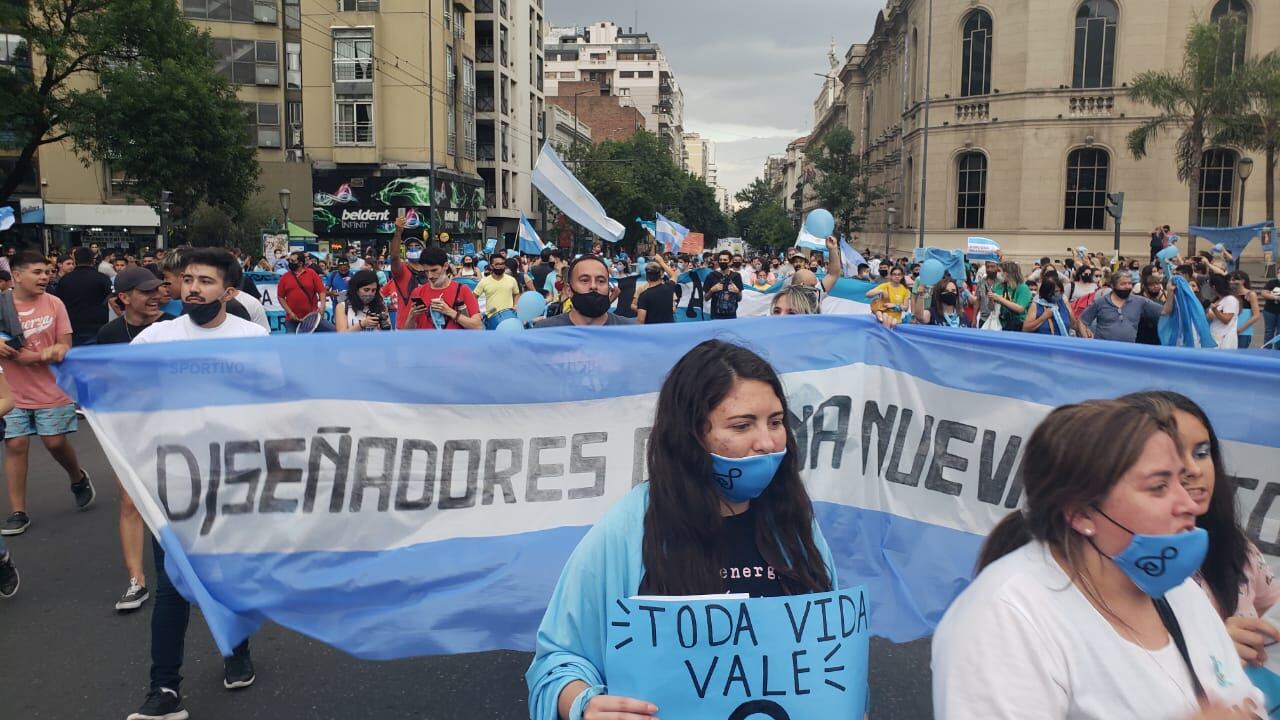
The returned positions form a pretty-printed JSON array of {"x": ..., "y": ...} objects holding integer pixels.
[
  {"x": 724, "y": 494},
  {"x": 1084, "y": 606}
]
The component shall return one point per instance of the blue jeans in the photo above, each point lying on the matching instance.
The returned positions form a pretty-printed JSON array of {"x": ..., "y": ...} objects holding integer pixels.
[
  {"x": 170, "y": 614},
  {"x": 1271, "y": 325}
]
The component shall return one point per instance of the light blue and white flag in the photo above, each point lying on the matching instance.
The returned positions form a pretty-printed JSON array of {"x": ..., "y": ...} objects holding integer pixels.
[
  {"x": 982, "y": 249},
  {"x": 394, "y": 519},
  {"x": 564, "y": 190},
  {"x": 850, "y": 259},
  {"x": 810, "y": 241},
  {"x": 670, "y": 233},
  {"x": 530, "y": 243},
  {"x": 649, "y": 226},
  {"x": 6, "y": 218}
]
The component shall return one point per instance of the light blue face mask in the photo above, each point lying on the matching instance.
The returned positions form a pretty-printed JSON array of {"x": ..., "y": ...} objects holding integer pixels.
[
  {"x": 414, "y": 254},
  {"x": 742, "y": 479},
  {"x": 1160, "y": 563}
]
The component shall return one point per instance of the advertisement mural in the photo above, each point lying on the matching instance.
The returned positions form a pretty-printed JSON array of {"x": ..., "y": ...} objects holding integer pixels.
[{"x": 369, "y": 205}]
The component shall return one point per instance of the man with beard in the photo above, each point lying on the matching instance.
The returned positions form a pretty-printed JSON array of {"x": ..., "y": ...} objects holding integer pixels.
[
  {"x": 208, "y": 277},
  {"x": 139, "y": 294},
  {"x": 589, "y": 289}
]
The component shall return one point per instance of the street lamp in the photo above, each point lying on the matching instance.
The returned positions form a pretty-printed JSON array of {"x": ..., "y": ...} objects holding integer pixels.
[
  {"x": 888, "y": 229},
  {"x": 1245, "y": 169},
  {"x": 285, "y": 196}
]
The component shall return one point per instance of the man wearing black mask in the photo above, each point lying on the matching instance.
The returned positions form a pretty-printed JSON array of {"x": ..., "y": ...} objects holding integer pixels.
[
  {"x": 589, "y": 289},
  {"x": 723, "y": 287}
]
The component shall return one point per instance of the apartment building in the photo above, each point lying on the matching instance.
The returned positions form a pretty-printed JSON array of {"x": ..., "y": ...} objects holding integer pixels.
[
  {"x": 625, "y": 64},
  {"x": 510, "y": 109},
  {"x": 389, "y": 89}
]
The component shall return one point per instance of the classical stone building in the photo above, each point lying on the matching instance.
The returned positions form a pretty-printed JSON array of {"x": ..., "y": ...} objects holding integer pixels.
[{"x": 1028, "y": 119}]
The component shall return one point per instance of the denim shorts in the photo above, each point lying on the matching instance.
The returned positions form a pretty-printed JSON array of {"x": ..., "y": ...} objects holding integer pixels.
[{"x": 44, "y": 422}]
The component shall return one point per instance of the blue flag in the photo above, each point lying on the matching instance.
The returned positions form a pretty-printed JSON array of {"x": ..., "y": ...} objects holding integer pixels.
[{"x": 530, "y": 243}]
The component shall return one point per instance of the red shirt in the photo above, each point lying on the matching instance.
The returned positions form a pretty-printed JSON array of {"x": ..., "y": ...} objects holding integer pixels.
[
  {"x": 463, "y": 300},
  {"x": 299, "y": 292}
]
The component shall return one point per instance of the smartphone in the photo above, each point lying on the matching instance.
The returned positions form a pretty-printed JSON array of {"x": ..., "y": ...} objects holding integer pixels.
[
  {"x": 419, "y": 302},
  {"x": 400, "y": 212}
]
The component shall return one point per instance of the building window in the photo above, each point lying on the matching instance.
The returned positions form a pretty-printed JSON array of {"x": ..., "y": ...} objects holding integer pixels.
[
  {"x": 451, "y": 100},
  {"x": 1086, "y": 189},
  {"x": 1239, "y": 12},
  {"x": 353, "y": 56},
  {"x": 1095, "y": 56},
  {"x": 459, "y": 22},
  {"x": 357, "y": 5},
  {"x": 294, "y": 111},
  {"x": 626, "y": 73},
  {"x": 353, "y": 122},
  {"x": 915, "y": 65},
  {"x": 468, "y": 108},
  {"x": 15, "y": 53},
  {"x": 1217, "y": 182},
  {"x": 971, "y": 198},
  {"x": 246, "y": 62},
  {"x": 245, "y": 11},
  {"x": 293, "y": 66},
  {"x": 264, "y": 123},
  {"x": 292, "y": 14},
  {"x": 644, "y": 74},
  {"x": 975, "y": 55}
]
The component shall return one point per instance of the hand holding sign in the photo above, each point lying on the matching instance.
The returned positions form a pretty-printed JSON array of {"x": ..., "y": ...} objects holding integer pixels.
[{"x": 786, "y": 658}]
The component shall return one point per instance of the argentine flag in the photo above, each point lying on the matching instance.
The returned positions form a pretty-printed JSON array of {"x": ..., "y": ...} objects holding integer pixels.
[
  {"x": 810, "y": 241},
  {"x": 983, "y": 249},
  {"x": 670, "y": 233},
  {"x": 564, "y": 190},
  {"x": 850, "y": 259},
  {"x": 530, "y": 243}
]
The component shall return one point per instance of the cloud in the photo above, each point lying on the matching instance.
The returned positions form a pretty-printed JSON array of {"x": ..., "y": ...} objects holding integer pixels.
[{"x": 744, "y": 65}]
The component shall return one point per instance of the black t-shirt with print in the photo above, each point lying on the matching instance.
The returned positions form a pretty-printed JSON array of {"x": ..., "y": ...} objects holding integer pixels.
[{"x": 743, "y": 569}]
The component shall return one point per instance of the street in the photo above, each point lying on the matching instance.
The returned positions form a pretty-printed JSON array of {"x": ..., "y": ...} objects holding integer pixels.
[{"x": 65, "y": 654}]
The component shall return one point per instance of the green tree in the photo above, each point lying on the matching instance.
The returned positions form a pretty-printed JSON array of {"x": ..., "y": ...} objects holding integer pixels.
[
  {"x": 840, "y": 185},
  {"x": 1257, "y": 125},
  {"x": 762, "y": 221},
  {"x": 132, "y": 84},
  {"x": 1196, "y": 100}
]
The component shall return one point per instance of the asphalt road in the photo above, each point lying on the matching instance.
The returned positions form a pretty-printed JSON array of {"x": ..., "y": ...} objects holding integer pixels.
[{"x": 65, "y": 654}]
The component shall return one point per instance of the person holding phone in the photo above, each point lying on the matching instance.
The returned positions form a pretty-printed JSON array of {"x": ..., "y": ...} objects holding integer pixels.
[
  {"x": 364, "y": 308},
  {"x": 442, "y": 303}
]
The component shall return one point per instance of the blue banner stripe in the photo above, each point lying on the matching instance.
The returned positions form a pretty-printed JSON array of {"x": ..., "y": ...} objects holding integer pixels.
[{"x": 575, "y": 364}]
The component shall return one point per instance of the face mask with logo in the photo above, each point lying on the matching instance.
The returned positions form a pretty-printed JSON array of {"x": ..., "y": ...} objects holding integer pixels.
[
  {"x": 743, "y": 479},
  {"x": 1160, "y": 563},
  {"x": 414, "y": 254}
]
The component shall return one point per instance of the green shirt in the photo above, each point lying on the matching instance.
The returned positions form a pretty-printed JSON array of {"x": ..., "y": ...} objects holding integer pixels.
[{"x": 1020, "y": 295}]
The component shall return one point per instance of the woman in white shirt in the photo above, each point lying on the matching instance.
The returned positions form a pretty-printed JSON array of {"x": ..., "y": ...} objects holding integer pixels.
[
  {"x": 1223, "y": 314},
  {"x": 1084, "y": 607}
]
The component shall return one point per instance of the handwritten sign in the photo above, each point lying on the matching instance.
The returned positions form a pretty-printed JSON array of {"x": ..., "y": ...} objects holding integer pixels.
[
  {"x": 693, "y": 244},
  {"x": 787, "y": 658}
]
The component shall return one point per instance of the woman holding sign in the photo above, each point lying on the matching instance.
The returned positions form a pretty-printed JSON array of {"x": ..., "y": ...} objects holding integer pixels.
[
  {"x": 1084, "y": 606},
  {"x": 724, "y": 511}
]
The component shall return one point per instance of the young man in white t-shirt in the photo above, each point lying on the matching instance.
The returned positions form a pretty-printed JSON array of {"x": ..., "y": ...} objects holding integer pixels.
[{"x": 205, "y": 288}]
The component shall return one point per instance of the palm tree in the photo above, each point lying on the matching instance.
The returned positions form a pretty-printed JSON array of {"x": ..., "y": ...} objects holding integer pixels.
[
  {"x": 1257, "y": 126},
  {"x": 1197, "y": 100}
]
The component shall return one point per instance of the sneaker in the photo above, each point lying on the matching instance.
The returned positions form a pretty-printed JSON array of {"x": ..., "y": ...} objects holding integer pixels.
[
  {"x": 83, "y": 491},
  {"x": 133, "y": 597},
  {"x": 16, "y": 524},
  {"x": 237, "y": 671},
  {"x": 9, "y": 580},
  {"x": 161, "y": 704}
]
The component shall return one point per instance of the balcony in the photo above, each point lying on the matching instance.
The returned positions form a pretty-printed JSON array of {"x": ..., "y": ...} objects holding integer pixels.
[
  {"x": 484, "y": 53},
  {"x": 484, "y": 103},
  {"x": 486, "y": 152},
  {"x": 1091, "y": 105},
  {"x": 484, "y": 6},
  {"x": 973, "y": 112}
]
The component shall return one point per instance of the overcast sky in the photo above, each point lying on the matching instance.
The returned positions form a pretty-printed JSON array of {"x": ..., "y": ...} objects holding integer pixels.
[{"x": 745, "y": 65}]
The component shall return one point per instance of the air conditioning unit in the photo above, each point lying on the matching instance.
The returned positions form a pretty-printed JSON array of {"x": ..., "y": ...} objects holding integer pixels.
[
  {"x": 294, "y": 155},
  {"x": 295, "y": 136}
]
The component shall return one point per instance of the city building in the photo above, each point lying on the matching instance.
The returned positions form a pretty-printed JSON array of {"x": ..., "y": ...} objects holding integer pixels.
[
  {"x": 390, "y": 121},
  {"x": 1028, "y": 115},
  {"x": 509, "y": 109},
  {"x": 606, "y": 115},
  {"x": 563, "y": 130},
  {"x": 628, "y": 65},
  {"x": 258, "y": 49},
  {"x": 696, "y": 152}
]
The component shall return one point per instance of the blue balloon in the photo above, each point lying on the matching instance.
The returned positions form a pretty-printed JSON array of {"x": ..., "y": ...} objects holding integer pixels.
[
  {"x": 530, "y": 307},
  {"x": 482, "y": 264},
  {"x": 510, "y": 325},
  {"x": 931, "y": 272},
  {"x": 820, "y": 224}
]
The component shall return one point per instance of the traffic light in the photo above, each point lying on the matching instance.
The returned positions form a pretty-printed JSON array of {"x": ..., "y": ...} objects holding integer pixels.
[
  {"x": 165, "y": 201},
  {"x": 1115, "y": 204}
]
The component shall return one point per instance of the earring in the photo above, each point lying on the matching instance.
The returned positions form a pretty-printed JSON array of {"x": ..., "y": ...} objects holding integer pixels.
[{"x": 1089, "y": 532}]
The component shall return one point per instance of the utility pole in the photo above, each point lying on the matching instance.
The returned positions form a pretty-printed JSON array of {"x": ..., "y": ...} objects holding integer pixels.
[
  {"x": 924, "y": 161},
  {"x": 431, "y": 120},
  {"x": 165, "y": 205}
]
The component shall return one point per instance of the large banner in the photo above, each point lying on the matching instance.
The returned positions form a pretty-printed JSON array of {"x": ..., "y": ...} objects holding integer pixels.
[{"x": 381, "y": 492}]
